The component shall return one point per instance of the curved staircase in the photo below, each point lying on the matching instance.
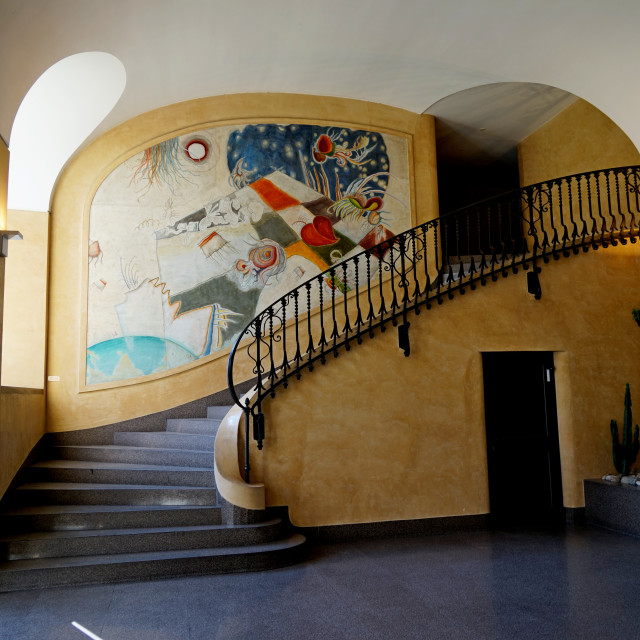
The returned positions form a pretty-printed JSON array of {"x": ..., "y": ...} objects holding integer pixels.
[{"x": 145, "y": 506}]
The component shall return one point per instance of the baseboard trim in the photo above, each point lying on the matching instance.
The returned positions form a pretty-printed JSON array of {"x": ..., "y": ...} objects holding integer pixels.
[{"x": 395, "y": 528}]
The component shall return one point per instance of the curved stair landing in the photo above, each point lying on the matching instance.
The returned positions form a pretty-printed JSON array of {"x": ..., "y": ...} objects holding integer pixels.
[{"x": 143, "y": 507}]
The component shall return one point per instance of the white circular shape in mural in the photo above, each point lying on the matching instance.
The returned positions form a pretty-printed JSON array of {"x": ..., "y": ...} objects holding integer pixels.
[{"x": 197, "y": 149}]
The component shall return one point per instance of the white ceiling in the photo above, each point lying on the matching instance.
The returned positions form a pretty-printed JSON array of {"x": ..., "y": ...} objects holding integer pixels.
[{"x": 407, "y": 53}]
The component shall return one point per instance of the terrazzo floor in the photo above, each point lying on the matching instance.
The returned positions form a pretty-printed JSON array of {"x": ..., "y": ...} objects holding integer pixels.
[{"x": 578, "y": 583}]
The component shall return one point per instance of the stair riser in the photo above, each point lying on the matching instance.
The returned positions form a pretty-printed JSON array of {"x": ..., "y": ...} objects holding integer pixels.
[
  {"x": 134, "y": 571},
  {"x": 218, "y": 413},
  {"x": 206, "y": 427},
  {"x": 165, "y": 440},
  {"x": 136, "y": 542},
  {"x": 135, "y": 456},
  {"x": 121, "y": 476},
  {"x": 111, "y": 520},
  {"x": 142, "y": 497}
]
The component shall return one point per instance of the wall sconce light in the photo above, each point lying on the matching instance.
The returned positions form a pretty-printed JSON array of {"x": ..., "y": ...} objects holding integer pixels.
[{"x": 4, "y": 244}]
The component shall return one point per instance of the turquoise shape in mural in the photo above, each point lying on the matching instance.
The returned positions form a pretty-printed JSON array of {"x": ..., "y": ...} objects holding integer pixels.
[{"x": 138, "y": 355}]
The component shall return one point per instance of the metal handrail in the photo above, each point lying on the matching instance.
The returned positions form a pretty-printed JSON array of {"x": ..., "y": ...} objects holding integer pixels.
[{"x": 430, "y": 263}]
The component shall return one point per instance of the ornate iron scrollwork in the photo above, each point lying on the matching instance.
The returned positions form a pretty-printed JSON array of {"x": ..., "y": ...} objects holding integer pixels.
[{"x": 357, "y": 297}]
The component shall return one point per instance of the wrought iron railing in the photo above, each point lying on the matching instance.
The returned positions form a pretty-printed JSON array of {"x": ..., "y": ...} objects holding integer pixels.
[{"x": 428, "y": 264}]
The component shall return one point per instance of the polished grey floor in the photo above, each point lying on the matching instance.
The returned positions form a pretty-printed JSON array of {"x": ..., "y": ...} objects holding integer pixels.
[{"x": 574, "y": 584}]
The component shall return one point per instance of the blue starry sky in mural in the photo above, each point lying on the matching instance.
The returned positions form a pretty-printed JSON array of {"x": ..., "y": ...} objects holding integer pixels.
[{"x": 329, "y": 159}]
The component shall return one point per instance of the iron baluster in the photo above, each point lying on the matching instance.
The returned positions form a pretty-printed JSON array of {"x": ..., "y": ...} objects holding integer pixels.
[
  {"x": 542, "y": 209},
  {"x": 358, "y": 310},
  {"x": 555, "y": 239},
  {"x": 594, "y": 224},
  {"x": 371, "y": 314},
  {"x": 298, "y": 355},
  {"x": 347, "y": 322},
  {"x": 438, "y": 261},
  {"x": 416, "y": 283},
  {"x": 383, "y": 308},
  {"x": 623, "y": 221},
  {"x": 323, "y": 338},
  {"x": 575, "y": 233},
  {"x": 404, "y": 284},
  {"x": 613, "y": 229},
  {"x": 334, "y": 332},
  {"x": 285, "y": 358},
  {"x": 565, "y": 229},
  {"x": 427, "y": 285},
  {"x": 310, "y": 348},
  {"x": 394, "y": 293},
  {"x": 628, "y": 190},
  {"x": 603, "y": 224},
  {"x": 272, "y": 365},
  {"x": 584, "y": 233}
]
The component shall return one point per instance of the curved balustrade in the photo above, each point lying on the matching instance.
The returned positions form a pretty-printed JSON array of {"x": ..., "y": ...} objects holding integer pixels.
[{"x": 428, "y": 264}]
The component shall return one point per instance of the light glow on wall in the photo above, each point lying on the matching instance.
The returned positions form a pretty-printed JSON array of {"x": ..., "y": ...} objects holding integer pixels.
[{"x": 65, "y": 104}]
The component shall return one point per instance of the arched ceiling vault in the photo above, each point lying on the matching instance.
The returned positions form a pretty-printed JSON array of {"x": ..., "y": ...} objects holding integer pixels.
[{"x": 409, "y": 54}]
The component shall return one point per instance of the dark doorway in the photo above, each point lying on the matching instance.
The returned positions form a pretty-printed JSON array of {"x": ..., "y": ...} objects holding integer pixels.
[{"x": 525, "y": 485}]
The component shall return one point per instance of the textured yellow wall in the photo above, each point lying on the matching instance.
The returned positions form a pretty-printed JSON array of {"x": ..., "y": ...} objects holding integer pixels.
[
  {"x": 21, "y": 410},
  {"x": 25, "y": 295},
  {"x": 21, "y": 426},
  {"x": 352, "y": 443},
  {"x": 580, "y": 138},
  {"x": 70, "y": 407}
]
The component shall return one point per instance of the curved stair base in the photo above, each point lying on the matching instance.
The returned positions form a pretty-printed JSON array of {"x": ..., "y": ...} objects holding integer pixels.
[{"x": 145, "y": 507}]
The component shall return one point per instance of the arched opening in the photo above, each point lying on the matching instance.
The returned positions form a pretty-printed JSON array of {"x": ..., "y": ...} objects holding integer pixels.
[
  {"x": 477, "y": 135},
  {"x": 58, "y": 113},
  {"x": 56, "y": 116}
]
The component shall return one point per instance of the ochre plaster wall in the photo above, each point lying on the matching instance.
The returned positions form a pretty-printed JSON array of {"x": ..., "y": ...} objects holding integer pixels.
[
  {"x": 25, "y": 295},
  {"x": 377, "y": 436},
  {"x": 70, "y": 408},
  {"x": 21, "y": 410},
  {"x": 580, "y": 138},
  {"x": 21, "y": 426}
]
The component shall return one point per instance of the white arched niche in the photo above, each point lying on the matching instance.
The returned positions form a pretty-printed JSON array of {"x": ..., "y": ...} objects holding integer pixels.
[{"x": 65, "y": 104}]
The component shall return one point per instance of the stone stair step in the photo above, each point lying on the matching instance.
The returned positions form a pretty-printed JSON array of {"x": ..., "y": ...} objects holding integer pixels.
[
  {"x": 50, "y": 572},
  {"x": 117, "y": 473},
  {"x": 134, "y": 455},
  {"x": 202, "y": 426},
  {"x": 23, "y": 546},
  {"x": 219, "y": 412},
  {"x": 79, "y": 517},
  {"x": 107, "y": 494},
  {"x": 164, "y": 440}
]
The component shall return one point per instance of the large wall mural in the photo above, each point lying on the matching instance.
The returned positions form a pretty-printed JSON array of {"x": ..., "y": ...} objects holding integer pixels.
[{"x": 190, "y": 238}]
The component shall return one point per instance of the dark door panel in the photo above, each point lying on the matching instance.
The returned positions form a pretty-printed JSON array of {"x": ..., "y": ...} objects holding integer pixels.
[{"x": 522, "y": 437}]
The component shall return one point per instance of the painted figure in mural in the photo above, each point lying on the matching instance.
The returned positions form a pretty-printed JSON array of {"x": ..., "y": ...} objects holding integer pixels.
[
  {"x": 266, "y": 259},
  {"x": 362, "y": 201},
  {"x": 326, "y": 146},
  {"x": 95, "y": 252}
]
